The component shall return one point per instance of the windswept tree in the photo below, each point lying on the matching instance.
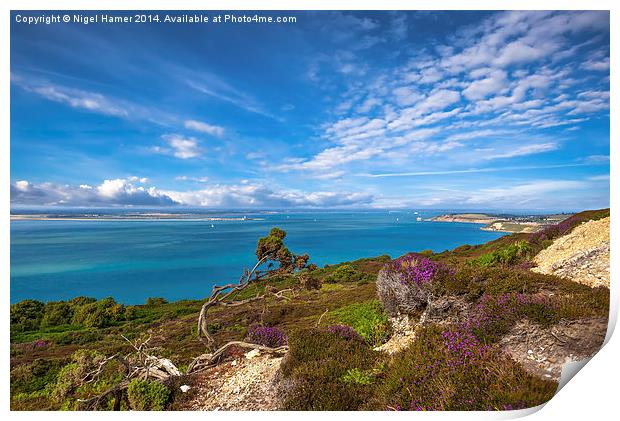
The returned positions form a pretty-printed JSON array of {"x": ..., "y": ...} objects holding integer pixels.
[{"x": 273, "y": 258}]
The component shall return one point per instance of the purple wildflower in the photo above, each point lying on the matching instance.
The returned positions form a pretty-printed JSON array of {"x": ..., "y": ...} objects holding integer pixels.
[
  {"x": 416, "y": 269},
  {"x": 267, "y": 336},
  {"x": 345, "y": 332}
]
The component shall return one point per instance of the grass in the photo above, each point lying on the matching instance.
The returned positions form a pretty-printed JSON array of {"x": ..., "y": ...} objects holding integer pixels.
[
  {"x": 368, "y": 319},
  {"x": 325, "y": 370}
]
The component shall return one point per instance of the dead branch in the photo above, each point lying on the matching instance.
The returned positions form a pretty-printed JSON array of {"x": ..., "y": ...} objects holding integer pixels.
[
  {"x": 221, "y": 293},
  {"x": 318, "y": 323},
  {"x": 205, "y": 361}
]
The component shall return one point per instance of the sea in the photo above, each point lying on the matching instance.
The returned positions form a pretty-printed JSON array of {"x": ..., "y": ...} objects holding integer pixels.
[{"x": 183, "y": 257}]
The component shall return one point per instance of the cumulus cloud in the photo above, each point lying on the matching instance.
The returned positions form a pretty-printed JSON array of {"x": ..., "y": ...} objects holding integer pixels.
[
  {"x": 180, "y": 147},
  {"x": 112, "y": 192},
  {"x": 122, "y": 192}
]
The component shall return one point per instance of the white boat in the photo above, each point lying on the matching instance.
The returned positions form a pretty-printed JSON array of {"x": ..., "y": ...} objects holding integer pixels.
[
  {"x": 212, "y": 226},
  {"x": 418, "y": 219}
]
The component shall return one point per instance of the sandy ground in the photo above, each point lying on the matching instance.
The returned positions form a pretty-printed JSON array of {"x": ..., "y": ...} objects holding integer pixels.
[
  {"x": 244, "y": 384},
  {"x": 582, "y": 255}
]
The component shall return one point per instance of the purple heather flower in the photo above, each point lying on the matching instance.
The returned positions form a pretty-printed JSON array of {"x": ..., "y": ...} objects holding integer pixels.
[
  {"x": 345, "y": 332},
  {"x": 416, "y": 269},
  {"x": 268, "y": 336}
]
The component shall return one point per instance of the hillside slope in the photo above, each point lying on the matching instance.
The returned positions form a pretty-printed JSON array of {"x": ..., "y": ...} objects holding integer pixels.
[{"x": 581, "y": 256}]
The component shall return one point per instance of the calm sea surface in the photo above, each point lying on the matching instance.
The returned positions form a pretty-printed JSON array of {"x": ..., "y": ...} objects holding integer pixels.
[{"x": 133, "y": 260}]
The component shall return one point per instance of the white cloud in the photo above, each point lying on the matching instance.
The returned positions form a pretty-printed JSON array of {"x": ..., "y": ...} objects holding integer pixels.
[
  {"x": 200, "y": 126},
  {"x": 406, "y": 95},
  {"x": 495, "y": 83},
  {"x": 110, "y": 192},
  {"x": 601, "y": 65},
  {"x": 182, "y": 147},
  {"x": 521, "y": 194},
  {"x": 524, "y": 150},
  {"x": 76, "y": 98},
  {"x": 121, "y": 192}
]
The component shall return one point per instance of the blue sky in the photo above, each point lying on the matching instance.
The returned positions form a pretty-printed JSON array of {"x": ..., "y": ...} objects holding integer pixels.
[{"x": 480, "y": 110}]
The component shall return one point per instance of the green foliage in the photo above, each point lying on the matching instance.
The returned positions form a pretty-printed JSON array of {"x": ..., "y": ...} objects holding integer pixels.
[
  {"x": 26, "y": 315},
  {"x": 74, "y": 381},
  {"x": 346, "y": 272},
  {"x": 57, "y": 314},
  {"x": 315, "y": 366},
  {"x": 156, "y": 301},
  {"x": 355, "y": 375},
  {"x": 506, "y": 255},
  {"x": 272, "y": 248},
  {"x": 35, "y": 377},
  {"x": 368, "y": 319},
  {"x": 147, "y": 395},
  {"x": 102, "y": 313}
]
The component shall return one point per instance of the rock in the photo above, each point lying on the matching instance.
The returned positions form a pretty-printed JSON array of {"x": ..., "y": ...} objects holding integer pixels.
[
  {"x": 253, "y": 353},
  {"x": 582, "y": 255},
  {"x": 398, "y": 297}
]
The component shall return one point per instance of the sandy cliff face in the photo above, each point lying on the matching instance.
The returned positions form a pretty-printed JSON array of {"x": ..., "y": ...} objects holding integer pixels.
[{"x": 582, "y": 255}]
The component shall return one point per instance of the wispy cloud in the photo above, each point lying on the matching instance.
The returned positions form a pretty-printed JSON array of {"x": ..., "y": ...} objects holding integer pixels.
[
  {"x": 200, "y": 126},
  {"x": 524, "y": 150},
  {"x": 472, "y": 170}
]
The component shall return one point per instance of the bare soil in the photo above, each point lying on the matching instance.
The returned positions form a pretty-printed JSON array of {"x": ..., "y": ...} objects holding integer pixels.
[
  {"x": 543, "y": 352},
  {"x": 582, "y": 255}
]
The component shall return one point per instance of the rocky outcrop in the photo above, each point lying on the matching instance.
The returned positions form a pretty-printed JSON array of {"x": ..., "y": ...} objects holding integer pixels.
[
  {"x": 397, "y": 296},
  {"x": 543, "y": 352},
  {"x": 582, "y": 255}
]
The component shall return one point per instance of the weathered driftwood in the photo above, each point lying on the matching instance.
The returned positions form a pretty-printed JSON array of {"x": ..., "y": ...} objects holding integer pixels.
[
  {"x": 208, "y": 360},
  {"x": 221, "y": 293}
]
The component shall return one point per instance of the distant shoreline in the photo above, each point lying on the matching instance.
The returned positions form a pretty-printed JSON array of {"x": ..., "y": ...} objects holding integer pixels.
[
  {"x": 503, "y": 223},
  {"x": 141, "y": 217}
]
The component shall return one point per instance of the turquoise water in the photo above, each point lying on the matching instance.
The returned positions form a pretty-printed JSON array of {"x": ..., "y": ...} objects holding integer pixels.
[{"x": 183, "y": 259}]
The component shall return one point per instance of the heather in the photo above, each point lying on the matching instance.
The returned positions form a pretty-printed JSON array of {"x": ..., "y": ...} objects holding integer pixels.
[
  {"x": 270, "y": 336},
  {"x": 564, "y": 227},
  {"x": 449, "y": 369},
  {"x": 331, "y": 330}
]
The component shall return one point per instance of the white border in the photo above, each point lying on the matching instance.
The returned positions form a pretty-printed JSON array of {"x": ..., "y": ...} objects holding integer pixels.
[{"x": 592, "y": 395}]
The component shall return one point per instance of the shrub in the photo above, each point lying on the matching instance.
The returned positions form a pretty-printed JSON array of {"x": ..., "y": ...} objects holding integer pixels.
[
  {"x": 72, "y": 375},
  {"x": 357, "y": 376},
  {"x": 308, "y": 281},
  {"x": 272, "y": 337},
  {"x": 57, "y": 314},
  {"x": 34, "y": 377},
  {"x": 345, "y": 332},
  {"x": 404, "y": 284},
  {"x": 506, "y": 255},
  {"x": 343, "y": 273},
  {"x": 26, "y": 315},
  {"x": 368, "y": 319},
  {"x": 156, "y": 301},
  {"x": 494, "y": 316},
  {"x": 451, "y": 370},
  {"x": 99, "y": 314},
  {"x": 315, "y": 367},
  {"x": 147, "y": 395},
  {"x": 564, "y": 227}
]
